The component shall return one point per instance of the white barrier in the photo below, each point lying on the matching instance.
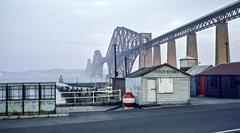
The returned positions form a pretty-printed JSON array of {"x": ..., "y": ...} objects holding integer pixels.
[{"x": 101, "y": 96}]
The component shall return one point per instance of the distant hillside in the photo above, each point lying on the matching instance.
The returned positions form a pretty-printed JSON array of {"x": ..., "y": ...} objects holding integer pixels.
[{"x": 51, "y": 75}]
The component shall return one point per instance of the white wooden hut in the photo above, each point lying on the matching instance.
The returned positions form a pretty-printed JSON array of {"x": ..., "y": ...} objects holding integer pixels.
[{"x": 163, "y": 84}]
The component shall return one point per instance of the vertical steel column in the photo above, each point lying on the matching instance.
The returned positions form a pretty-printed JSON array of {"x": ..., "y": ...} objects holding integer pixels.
[
  {"x": 55, "y": 88},
  {"x": 74, "y": 98},
  {"x": 93, "y": 97},
  {"x": 7, "y": 98},
  {"x": 39, "y": 98},
  {"x": 23, "y": 98}
]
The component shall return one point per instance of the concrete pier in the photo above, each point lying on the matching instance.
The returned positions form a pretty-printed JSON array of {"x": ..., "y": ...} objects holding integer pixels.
[
  {"x": 192, "y": 46},
  {"x": 145, "y": 56},
  {"x": 171, "y": 53},
  {"x": 141, "y": 59},
  {"x": 156, "y": 55},
  {"x": 222, "y": 54},
  {"x": 148, "y": 58}
]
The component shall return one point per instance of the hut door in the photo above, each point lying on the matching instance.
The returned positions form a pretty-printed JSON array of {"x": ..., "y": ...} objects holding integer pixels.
[
  {"x": 151, "y": 90},
  {"x": 202, "y": 86}
]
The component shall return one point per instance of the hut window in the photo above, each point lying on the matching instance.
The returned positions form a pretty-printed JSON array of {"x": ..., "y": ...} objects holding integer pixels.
[{"x": 165, "y": 85}]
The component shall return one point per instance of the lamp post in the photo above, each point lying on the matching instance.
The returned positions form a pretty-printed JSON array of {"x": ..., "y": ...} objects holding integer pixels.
[
  {"x": 115, "y": 67},
  {"x": 115, "y": 62},
  {"x": 125, "y": 66}
]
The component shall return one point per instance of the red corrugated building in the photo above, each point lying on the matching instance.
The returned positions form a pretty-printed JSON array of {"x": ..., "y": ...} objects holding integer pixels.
[{"x": 222, "y": 81}]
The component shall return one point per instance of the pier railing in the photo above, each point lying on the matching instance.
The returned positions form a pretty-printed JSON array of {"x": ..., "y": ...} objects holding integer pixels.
[
  {"x": 29, "y": 98},
  {"x": 92, "y": 97}
]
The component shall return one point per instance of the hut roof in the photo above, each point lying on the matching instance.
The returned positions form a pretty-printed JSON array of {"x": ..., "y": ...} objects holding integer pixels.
[
  {"x": 198, "y": 69},
  {"x": 146, "y": 70},
  {"x": 224, "y": 69}
]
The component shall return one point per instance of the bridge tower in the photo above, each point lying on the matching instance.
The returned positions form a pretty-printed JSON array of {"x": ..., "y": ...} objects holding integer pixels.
[
  {"x": 171, "y": 53},
  {"x": 145, "y": 55},
  {"x": 156, "y": 55},
  {"x": 88, "y": 69},
  {"x": 192, "y": 46},
  {"x": 222, "y": 53},
  {"x": 97, "y": 65}
]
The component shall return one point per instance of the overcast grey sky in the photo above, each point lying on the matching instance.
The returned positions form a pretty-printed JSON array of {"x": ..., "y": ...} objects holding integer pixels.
[{"x": 45, "y": 34}]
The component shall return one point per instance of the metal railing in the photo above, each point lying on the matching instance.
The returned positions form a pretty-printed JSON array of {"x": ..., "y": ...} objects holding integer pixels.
[
  {"x": 27, "y": 98},
  {"x": 85, "y": 97}
]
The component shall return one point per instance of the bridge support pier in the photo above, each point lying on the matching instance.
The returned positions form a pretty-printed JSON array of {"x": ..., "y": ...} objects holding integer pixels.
[
  {"x": 145, "y": 58},
  {"x": 148, "y": 58},
  {"x": 88, "y": 69},
  {"x": 192, "y": 46},
  {"x": 141, "y": 59},
  {"x": 156, "y": 55},
  {"x": 171, "y": 53},
  {"x": 222, "y": 54}
]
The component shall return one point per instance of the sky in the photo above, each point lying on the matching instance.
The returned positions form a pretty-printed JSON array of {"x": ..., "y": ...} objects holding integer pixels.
[{"x": 46, "y": 34}]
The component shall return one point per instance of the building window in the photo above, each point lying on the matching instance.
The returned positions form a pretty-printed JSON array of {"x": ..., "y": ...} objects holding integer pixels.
[
  {"x": 31, "y": 92},
  {"x": 15, "y": 92},
  {"x": 2, "y": 93},
  {"x": 165, "y": 85},
  {"x": 48, "y": 92}
]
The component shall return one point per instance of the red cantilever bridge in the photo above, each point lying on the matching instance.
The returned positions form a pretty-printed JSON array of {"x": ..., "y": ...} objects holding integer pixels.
[
  {"x": 127, "y": 43},
  {"x": 130, "y": 44}
]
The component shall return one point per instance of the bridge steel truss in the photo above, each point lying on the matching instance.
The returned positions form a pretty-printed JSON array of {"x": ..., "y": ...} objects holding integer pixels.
[
  {"x": 129, "y": 44},
  {"x": 222, "y": 15},
  {"x": 125, "y": 40}
]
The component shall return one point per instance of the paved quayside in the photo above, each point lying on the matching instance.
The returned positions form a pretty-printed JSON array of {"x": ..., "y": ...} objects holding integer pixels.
[{"x": 197, "y": 119}]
